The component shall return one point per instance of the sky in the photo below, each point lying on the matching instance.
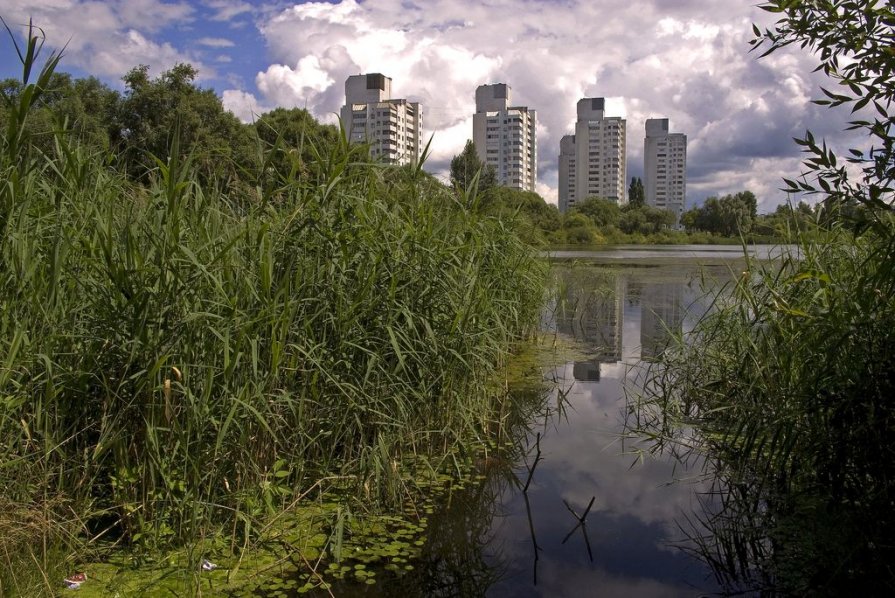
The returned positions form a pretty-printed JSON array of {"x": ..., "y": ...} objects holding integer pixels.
[{"x": 685, "y": 60}]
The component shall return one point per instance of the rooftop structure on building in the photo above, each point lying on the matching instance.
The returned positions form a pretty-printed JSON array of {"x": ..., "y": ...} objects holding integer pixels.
[
  {"x": 504, "y": 136},
  {"x": 665, "y": 167},
  {"x": 592, "y": 161},
  {"x": 392, "y": 127}
]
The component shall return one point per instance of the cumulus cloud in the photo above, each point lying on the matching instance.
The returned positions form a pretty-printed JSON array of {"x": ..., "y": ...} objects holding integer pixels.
[
  {"x": 244, "y": 105},
  {"x": 107, "y": 38},
  {"x": 687, "y": 61},
  {"x": 133, "y": 48}
]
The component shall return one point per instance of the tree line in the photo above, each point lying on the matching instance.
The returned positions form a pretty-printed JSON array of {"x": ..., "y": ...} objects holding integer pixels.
[
  {"x": 137, "y": 126},
  {"x": 597, "y": 221}
]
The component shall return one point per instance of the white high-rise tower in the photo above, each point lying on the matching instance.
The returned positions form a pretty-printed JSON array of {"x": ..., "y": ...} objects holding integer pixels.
[
  {"x": 392, "y": 127},
  {"x": 504, "y": 137},
  {"x": 665, "y": 167},
  {"x": 592, "y": 162}
]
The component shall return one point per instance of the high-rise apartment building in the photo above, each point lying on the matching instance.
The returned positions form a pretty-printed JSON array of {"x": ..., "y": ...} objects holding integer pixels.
[
  {"x": 392, "y": 127},
  {"x": 567, "y": 175},
  {"x": 665, "y": 167},
  {"x": 592, "y": 161},
  {"x": 504, "y": 137}
]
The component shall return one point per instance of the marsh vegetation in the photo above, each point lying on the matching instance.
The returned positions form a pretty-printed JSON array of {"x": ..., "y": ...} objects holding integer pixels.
[{"x": 186, "y": 355}]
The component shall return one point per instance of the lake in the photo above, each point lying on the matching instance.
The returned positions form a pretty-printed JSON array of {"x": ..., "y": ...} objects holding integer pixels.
[
  {"x": 621, "y": 315},
  {"x": 670, "y": 254}
]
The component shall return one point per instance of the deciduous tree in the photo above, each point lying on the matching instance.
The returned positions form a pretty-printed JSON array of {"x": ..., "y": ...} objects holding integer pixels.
[
  {"x": 465, "y": 167},
  {"x": 601, "y": 212},
  {"x": 853, "y": 42},
  {"x": 152, "y": 110},
  {"x": 635, "y": 193}
]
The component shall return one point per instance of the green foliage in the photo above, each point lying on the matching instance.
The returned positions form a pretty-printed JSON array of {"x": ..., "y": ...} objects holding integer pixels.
[
  {"x": 600, "y": 212},
  {"x": 730, "y": 216},
  {"x": 605, "y": 221},
  {"x": 789, "y": 384},
  {"x": 636, "y": 194},
  {"x": 853, "y": 41},
  {"x": 173, "y": 361},
  {"x": 152, "y": 110},
  {"x": 293, "y": 135},
  {"x": 470, "y": 174},
  {"x": 536, "y": 217},
  {"x": 579, "y": 234},
  {"x": 84, "y": 108},
  {"x": 18, "y": 103},
  {"x": 645, "y": 219},
  {"x": 786, "y": 221}
]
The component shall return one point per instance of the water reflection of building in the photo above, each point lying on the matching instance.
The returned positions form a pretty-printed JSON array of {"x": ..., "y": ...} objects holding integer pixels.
[
  {"x": 661, "y": 316},
  {"x": 586, "y": 371},
  {"x": 591, "y": 311}
]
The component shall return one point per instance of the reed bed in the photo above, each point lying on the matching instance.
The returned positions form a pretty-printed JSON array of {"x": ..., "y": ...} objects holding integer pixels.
[
  {"x": 179, "y": 358},
  {"x": 785, "y": 388}
]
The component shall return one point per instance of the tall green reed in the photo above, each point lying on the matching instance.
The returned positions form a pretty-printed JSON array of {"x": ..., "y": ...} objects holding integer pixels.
[
  {"x": 784, "y": 388},
  {"x": 179, "y": 358}
]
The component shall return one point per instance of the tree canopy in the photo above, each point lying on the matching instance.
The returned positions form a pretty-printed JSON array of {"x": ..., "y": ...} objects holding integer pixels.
[
  {"x": 600, "y": 212},
  {"x": 295, "y": 137},
  {"x": 645, "y": 219},
  {"x": 636, "y": 195},
  {"x": 86, "y": 108},
  {"x": 465, "y": 167},
  {"x": 152, "y": 110},
  {"x": 729, "y": 215}
]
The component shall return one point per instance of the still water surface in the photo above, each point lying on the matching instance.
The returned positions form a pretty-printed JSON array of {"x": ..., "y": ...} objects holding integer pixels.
[
  {"x": 672, "y": 254},
  {"x": 620, "y": 315}
]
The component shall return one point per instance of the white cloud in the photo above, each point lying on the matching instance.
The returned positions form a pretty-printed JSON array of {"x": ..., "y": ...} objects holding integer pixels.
[
  {"x": 151, "y": 15},
  {"x": 688, "y": 62},
  {"x": 444, "y": 142},
  {"x": 548, "y": 192},
  {"x": 133, "y": 48},
  {"x": 215, "y": 42},
  {"x": 244, "y": 105},
  {"x": 226, "y": 10},
  {"x": 290, "y": 87},
  {"x": 107, "y": 39}
]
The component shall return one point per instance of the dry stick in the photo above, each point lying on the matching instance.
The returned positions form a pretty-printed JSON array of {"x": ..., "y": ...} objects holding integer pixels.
[
  {"x": 590, "y": 554},
  {"x": 586, "y": 511},
  {"x": 317, "y": 575},
  {"x": 531, "y": 525},
  {"x": 582, "y": 523},
  {"x": 534, "y": 541},
  {"x": 531, "y": 470},
  {"x": 571, "y": 531}
]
